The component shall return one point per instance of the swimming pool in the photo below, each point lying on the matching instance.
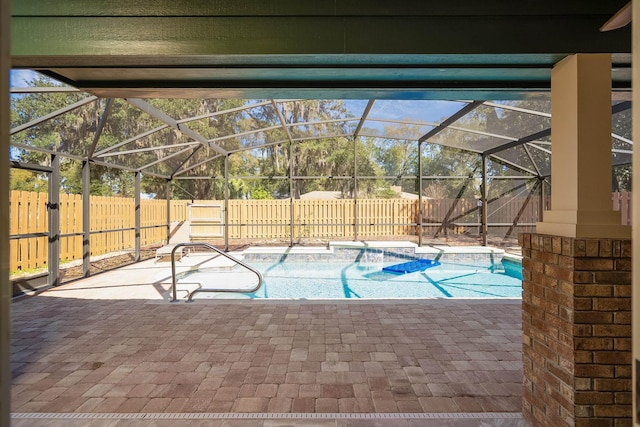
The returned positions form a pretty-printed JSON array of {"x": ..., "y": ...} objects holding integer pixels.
[{"x": 360, "y": 278}]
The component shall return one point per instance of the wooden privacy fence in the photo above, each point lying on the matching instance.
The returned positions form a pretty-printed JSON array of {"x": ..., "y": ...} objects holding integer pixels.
[
  {"x": 112, "y": 223},
  {"x": 264, "y": 219},
  {"x": 113, "y": 220},
  {"x": 28, "y": 214}
]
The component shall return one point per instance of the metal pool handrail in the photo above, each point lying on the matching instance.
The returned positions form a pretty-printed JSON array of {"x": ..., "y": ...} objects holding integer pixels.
[{"x": 207, "y": 245}]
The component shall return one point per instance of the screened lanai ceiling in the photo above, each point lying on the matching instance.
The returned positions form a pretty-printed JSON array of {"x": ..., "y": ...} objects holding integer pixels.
[
  {"x": 247, "y": 73},
  {"x": 313, "y": 49},
  {"x": 189, "y": 138}
]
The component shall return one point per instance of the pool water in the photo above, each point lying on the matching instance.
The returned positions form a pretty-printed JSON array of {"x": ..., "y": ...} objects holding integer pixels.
[{"x": 353, "y": 280}]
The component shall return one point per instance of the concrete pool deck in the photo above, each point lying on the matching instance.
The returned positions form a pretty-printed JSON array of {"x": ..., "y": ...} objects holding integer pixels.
[{"x": 111, "y": 350}]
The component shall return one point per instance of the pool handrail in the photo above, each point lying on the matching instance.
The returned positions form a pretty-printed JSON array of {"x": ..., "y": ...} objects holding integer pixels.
[{"x": 220, "y": 252}]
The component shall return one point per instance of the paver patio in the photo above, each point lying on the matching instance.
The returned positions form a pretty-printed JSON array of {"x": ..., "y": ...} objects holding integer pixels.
[{"x": 79, "y": 355}]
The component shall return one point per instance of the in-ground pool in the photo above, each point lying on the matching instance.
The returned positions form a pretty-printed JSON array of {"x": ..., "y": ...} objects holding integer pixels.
[{"x": 304, "y": 277}]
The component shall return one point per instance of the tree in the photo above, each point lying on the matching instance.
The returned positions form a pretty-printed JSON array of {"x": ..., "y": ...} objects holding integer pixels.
[
  {"x": 71, "y": 132},
  {"x": 24, "y": 180}
]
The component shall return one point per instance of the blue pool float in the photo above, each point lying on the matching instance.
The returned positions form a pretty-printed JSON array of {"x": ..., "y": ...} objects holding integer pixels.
[{"x": 411, "y": 266}]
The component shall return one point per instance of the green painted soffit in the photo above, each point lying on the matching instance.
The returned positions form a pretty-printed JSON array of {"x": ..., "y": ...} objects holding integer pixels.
[
  {"x": 358, "y": 48},
  {"x": 316, "y": 27},
  {"x": 313, "y": 8},
  {"x": 70, "y": 36}
]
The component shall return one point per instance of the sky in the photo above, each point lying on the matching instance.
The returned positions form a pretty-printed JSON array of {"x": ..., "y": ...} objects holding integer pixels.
[{"x": 19, "y": 78}]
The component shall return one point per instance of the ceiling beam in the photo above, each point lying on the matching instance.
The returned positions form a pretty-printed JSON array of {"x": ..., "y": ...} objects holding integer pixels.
[
  {"x": 451, "y": 119},
  {"x": 617, "y": 108},
  {"x": 98, "y": 134},
  {"x": 154, "y": 112},
  {"x": 53, "y": 115},
  {"x": 363, "y": 119},
  {"x": 132, "y": 139},
  {"x": 164, "y": 159},
  {"x": 532, "y": 137},
  {"x": 148, "y": 149},
  {"x": 187, "y": 169},
  {"x": 40, "y": 89}
]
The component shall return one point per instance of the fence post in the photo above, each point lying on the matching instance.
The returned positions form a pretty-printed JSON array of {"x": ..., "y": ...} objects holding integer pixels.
[
  {"x": 542, "y": 197},
  {"x": 137, "y": 178},
  {"x": 226, "y": 203},
  {"x": 420, "y": 193},
  {"x": 13, "y": 229},
  {"x": 54, "y": 222},
  {"x": 86, "y": 219},
  {"x": 168, "y": 207},
  {"x": 483, "y": 219},
  {"x": 291, "y": 191},
  {"x": 355, "y": 189}
]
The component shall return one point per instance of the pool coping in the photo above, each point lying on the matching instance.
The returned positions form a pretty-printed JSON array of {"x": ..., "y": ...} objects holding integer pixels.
[
  {"x": 343, "y": 301},
  {"x": 331, "y": 246}
]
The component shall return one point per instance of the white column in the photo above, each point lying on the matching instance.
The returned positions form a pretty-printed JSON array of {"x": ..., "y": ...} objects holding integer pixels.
[{"x": 581, "y": 161}]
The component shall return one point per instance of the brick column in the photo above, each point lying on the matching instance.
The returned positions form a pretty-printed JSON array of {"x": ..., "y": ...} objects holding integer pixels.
[{"x": 576, "y": 321}]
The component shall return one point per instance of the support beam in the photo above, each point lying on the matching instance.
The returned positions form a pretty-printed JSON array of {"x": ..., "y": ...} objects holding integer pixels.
[
  {"x": 226, "y": 203},
  {"x": 447, "y": 217},
  {"x": 452, "y": 119},
  {"x": 617, "y": 108},
  {"x": 165, "y": 158},
  {"x": 580, "y": 253},
  {"x": 53, "y": 115},
  {"x": 184, "y": 162},
  {"x": 54, "y": 222},
  {"x": 533, "y": 137},
  {"x": 86, "y": 218},
  {"x": 242, "y": 134},
  {"x": 513, "y": 165},
  {"x": 103, "y": 120},
  {"x": 542, "y": 204},
  {"x": 291, "y": 190},
  {"x": 483, "y": 195},
  {"x": 148, "y": 149},
  {"x": 516, "y": 219},
  {"x": 167, "y": 190},
  {"x": 355, "y": 188},
  {"x": 44, "y": 89},
  {"x": 532, "y": 160},
  {"x": 420, "y": 209},
  {"x": 283, "y": 123},
  {"x": 30, "y": 167},
  {"x": 130, "y": 140},
  {"x": 363, "y": 119},
  {"x": 187, "y": 169},
  {"x": 154, "y": 112},
  {"x": 489, "y": 201},
  {"x": 137, "y": 179}
]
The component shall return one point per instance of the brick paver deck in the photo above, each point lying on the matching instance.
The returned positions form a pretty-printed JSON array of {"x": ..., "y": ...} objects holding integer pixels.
[{"x": 139, "y": 356}]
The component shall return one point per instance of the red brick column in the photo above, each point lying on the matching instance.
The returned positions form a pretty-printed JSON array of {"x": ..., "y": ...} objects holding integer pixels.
[{"x": 576, "y": 326}]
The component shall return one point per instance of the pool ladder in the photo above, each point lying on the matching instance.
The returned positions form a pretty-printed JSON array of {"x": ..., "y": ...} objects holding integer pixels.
[{"x": 213, "y": 248}]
